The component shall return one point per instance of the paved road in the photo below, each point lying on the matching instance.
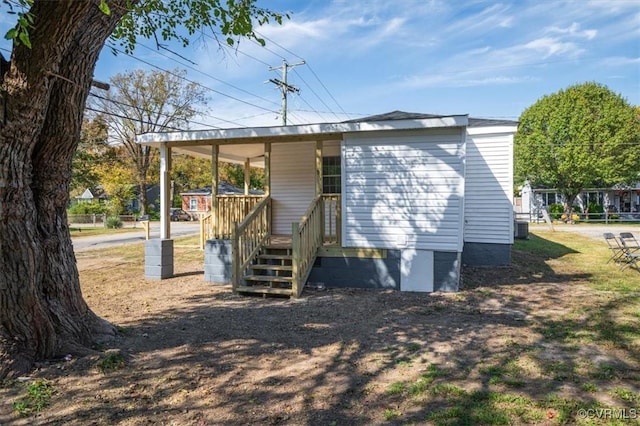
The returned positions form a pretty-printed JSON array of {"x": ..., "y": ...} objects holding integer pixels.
[
  {"x": 591, "y": 230},
  {"x": 178, "y": 229}
]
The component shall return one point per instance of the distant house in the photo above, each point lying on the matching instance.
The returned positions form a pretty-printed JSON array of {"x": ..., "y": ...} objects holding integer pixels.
[
  {"x": 86, "y": 197},
  {"x": 622, "y": 200},
  {"x": 153, "y": 196},
  {"x": 197, "y": 202}
]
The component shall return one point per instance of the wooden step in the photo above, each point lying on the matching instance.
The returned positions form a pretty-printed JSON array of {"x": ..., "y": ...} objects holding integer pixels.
[
  {"x": 278, "y": 247},
  {"x": 264, "y": 290},
  {"x": 268, "y": 278},
  {"x": 267, "y": 267},
  {"x": 275, "y": 256}
]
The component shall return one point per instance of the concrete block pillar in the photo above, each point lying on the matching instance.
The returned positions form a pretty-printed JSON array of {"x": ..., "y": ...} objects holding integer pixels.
[
  {"x": 217, "y": 261},
  {"x": 158, "y": 259}
]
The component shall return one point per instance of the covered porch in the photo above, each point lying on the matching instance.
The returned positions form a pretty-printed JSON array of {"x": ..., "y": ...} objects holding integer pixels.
[{"x": 242, "y": 247}]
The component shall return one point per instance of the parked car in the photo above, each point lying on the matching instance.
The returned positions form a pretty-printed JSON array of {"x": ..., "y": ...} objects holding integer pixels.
[{"x": 179, "y": 214}]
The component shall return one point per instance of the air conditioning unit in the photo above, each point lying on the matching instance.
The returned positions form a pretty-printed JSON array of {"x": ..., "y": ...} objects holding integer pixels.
[{"x": 521, "y": 230}]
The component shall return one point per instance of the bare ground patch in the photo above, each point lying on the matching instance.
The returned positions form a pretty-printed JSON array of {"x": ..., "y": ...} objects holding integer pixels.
[{"x": 518, "y": 345}]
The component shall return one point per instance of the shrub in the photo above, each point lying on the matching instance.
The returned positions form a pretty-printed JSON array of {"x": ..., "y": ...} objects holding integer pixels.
[
  {"x": 93, "y": 207},
  {"x": 595, "y": 208},
  {"x": 113, "y": 222},
  {"x": 556, "y": 211}
]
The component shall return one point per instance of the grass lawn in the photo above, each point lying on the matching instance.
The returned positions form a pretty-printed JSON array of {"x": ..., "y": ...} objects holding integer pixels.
[{"x": 77, "y": 232}]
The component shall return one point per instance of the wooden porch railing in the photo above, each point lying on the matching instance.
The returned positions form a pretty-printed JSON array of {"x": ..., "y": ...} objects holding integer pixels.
[
  {"x": 248, "y": 237},
  {"x": 306, "y": 237},
  {"x": 231, "y": 209},
  {"x": 332, "y": 223}
]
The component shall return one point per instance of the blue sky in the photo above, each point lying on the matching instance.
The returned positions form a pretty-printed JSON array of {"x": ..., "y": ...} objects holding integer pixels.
[{"x": 484, "y": 58}]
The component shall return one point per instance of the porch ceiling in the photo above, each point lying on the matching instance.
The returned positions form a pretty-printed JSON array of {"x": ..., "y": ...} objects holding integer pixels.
[{"x": 236, "y": 154}]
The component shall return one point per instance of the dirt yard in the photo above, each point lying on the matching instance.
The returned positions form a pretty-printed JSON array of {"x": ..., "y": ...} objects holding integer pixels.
[{"x": 519, "y": 345}]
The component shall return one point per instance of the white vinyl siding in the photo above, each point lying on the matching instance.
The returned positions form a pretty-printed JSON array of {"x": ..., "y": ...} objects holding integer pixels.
[
  {"x": 404, "y": 191},
  {"x": 489, "y": 180},
  {"x": 293, "y": 185}
]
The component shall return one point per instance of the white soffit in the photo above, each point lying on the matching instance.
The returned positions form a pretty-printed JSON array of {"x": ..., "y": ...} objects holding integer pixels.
[{"x": 291, "y": 133}]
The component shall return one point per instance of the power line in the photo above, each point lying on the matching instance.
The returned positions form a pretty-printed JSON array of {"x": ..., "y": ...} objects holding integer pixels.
[
  {"x": 310, "y": 69},
  {"x": 284, "y": 60},
  {"x": 199, "y": 84},
  {"x": 206, "y": 74},
  {"x": 327, "y": 90},
  {"x": 280, "y": 46},
  {"x": 132, "y": 119},
  {"x": 149, "y": 110},
  {"x": 312, "y": 108},
  {"x": 314, "y": 92}
]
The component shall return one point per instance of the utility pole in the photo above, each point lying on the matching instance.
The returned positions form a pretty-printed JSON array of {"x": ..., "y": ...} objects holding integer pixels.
[{"x": 284, "y": 86}]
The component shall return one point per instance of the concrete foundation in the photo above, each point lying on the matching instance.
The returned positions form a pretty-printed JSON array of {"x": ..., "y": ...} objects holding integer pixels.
[
  {"x": 484, "y": 254},
  {"x": 158, "y": 259},
  {"x": 354, "y": 272},
  {"x": 446, "y": 271},
  {"x": 217, "y": 261}
]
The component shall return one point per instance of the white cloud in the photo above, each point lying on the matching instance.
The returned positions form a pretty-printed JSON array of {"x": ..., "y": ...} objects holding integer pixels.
[
  {"x": 548, "y": 46},
  {"x": 483, "y": 21},
  {"x": 460, "y": 80},
  {"x": 574, "y": 30},
  {"x": 617, "y": 61}
]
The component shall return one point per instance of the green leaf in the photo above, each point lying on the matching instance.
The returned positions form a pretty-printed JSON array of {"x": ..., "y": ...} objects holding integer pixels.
[
  {"x": 104, "y": 7},
  {"x": 24, "y": 38},
  {"x": 11, "y": 34}
]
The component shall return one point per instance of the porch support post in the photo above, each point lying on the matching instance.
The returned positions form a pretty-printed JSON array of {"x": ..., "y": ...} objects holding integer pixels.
[
  {"x": 319, "y": 188},
  {"x": 215, "y": 152},
  {"x": 158, "y": 253},
  {"x": 165, "y": 191},
  {"x": 247, "y": 175},
  {"x": 267, "y": 168},
  {"x": 318, "y": 167}
]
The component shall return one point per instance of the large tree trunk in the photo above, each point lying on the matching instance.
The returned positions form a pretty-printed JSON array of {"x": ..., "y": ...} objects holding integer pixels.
[
  {"x": 569, "y": 199},
  {"x": 42, "y": 312},
  {"x": 142, "y": 162}
]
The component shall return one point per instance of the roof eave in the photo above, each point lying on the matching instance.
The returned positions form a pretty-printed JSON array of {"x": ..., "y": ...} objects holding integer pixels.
[{"x": 294, "y": 133}]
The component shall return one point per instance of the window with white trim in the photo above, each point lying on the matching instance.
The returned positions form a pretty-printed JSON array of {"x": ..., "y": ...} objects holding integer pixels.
[{"x": 331, "y": 175}]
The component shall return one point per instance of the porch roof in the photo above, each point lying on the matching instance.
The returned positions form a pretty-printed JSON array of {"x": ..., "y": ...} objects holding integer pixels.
[{"x": 236, "y": 145}]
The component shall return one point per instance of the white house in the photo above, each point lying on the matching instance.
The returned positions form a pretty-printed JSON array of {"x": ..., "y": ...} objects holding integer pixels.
[
  {"x": 397, "y": 200},
  {"x": 621, "y": 201}
]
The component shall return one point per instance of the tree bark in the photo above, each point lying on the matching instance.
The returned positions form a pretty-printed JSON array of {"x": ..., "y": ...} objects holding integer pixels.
[{"x": 42, "y": 312}]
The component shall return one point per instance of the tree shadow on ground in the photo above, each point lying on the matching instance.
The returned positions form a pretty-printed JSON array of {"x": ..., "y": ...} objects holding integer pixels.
[
  {"x": 329, "y": 358},
  {"x": 528, "y": 266},
  {"x": 362, "y": 356}
]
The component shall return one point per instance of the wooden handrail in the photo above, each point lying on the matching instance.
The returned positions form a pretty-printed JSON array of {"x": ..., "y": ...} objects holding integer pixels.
[
  {"x": 306, "y": 237},
  {"x": 332, "y": 223},
  {"x": 248, "y": 237},
  {"x": 206, "y": 229},
  {"x": 231, "y": 209}
]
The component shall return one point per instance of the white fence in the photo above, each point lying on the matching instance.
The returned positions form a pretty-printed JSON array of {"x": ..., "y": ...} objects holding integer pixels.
[
  {"x": 98, "y": 220},
  {"x": 584, "y": 218}
]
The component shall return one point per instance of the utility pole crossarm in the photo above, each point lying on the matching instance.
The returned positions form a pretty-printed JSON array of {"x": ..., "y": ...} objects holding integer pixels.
[{"x": 285, "y": 87}]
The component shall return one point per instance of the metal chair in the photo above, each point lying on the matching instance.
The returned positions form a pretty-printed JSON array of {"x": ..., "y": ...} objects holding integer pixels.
[
  {"x": 617, "y": 251},
  {"x": 630, "y": 254},
  {"x": 629, "y": 241}
]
